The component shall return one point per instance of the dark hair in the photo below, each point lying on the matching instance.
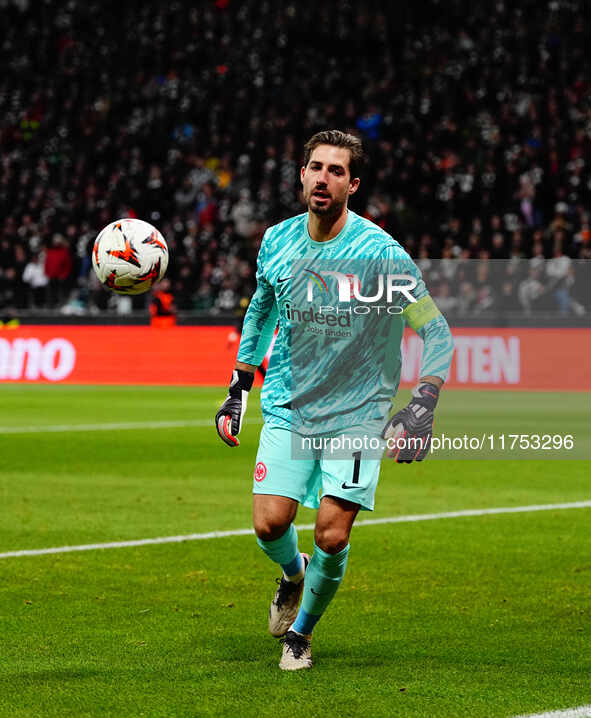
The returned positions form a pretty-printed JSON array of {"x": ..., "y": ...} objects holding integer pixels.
[{"x": 336, "y": 138}]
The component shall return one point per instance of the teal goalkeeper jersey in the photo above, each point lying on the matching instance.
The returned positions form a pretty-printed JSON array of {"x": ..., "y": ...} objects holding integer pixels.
[{"x": 342, "y": 306}]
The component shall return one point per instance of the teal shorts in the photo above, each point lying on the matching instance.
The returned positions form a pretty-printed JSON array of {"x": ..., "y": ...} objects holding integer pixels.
[{"x": 307, "y": 468}]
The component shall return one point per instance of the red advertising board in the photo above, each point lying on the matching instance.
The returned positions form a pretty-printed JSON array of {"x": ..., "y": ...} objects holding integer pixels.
[{"x": 534, "y": 359}]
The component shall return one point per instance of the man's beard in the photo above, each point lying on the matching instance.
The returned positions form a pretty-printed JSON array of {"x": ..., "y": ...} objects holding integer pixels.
[{"x": 333, "y": 209}]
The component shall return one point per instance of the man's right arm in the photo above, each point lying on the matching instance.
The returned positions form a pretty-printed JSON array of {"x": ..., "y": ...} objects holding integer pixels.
[
  {"x": 257, "y": 332},
  {"x": 246, "y": 367},
  {"x": 258, "y": 328}
]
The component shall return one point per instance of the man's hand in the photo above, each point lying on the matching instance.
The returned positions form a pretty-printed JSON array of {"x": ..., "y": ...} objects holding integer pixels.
[
  {"x": 410, "y": 430},
  {"x": 228, "y": 420}
]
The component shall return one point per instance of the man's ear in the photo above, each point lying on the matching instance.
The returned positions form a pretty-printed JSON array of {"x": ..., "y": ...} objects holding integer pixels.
[{"x": 354, "y": 185}]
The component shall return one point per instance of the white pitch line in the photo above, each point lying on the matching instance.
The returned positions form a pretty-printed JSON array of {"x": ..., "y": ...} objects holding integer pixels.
[
  {"x": 304, "y": 527},
  {"x": 109, "y": 427},
  {"x": 580, "y": 712}
]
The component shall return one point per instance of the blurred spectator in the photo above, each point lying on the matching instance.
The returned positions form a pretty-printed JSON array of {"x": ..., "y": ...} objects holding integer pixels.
[
  {"x": 35, "y": 278},
  {"x": 204, "y": 299},
  {"x": 162, "y": 307},
  {"x": 58, "y": 265},
  {"x": 243, "y": 214},
  {"x": 531, "y": 289},
  {"x": 446, "y": 301},
  {"x": 560, "y": 272},
  {"x": 186, "y": 195},
  {"x": 207, "y": 209}
]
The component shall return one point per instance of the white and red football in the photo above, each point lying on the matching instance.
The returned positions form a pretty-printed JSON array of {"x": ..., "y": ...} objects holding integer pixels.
[{"x": 129, "y": 256}]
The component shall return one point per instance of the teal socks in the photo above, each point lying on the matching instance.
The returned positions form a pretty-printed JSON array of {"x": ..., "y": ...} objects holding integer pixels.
[
  {"x": 285, "y": 552},
  {"x": 323, "y": 577}
]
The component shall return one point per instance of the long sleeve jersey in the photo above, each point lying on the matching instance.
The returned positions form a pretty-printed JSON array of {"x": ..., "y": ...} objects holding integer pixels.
[{"x": 342, "y": 306}]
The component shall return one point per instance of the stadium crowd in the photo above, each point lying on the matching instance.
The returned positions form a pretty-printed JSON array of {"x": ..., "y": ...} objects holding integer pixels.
[{"x": 193, "y": 115}]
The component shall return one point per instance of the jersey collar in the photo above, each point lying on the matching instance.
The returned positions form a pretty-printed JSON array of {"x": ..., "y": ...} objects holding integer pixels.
[{"x": 337, "y": 238}]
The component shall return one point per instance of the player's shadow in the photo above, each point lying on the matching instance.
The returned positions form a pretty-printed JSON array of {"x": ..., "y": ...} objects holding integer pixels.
[{"x": 239, "y": 648}]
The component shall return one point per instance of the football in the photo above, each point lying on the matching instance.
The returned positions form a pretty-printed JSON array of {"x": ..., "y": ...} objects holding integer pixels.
[{"x": 129, "y": 256}]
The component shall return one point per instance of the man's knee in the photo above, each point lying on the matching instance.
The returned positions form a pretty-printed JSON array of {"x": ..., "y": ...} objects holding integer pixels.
[
  {"x": 331, "y": 539},
  {"x": 333, "y": 523},
  {"x": 272, "y": 516},
  {"x": 270, "y": 528}
]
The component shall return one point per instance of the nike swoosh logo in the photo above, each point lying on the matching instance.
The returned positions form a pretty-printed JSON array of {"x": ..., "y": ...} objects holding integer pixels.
[
  {"x": 285, "y": 279},
  {"x": 344, "y": 485},
  {"x": 317, "y": 594}
]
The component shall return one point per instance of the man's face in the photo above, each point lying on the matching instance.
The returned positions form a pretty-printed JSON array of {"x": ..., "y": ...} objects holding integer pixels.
[{"x": 327, "y": 181}]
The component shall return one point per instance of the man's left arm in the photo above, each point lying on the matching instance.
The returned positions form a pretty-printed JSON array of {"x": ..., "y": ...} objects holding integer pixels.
[
  {"x": 424, "y": 317},
  {"x": 410, "y": 430}
]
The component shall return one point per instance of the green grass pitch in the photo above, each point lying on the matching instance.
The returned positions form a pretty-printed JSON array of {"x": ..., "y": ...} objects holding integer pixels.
[{"x": 475, "y": 617}]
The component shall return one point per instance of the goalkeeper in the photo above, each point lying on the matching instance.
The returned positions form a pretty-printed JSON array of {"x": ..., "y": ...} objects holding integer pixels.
[{"x": 333, "y": 372}]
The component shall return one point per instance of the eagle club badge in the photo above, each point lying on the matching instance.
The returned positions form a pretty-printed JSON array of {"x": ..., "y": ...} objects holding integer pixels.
[{"x": 260, "y": 471}]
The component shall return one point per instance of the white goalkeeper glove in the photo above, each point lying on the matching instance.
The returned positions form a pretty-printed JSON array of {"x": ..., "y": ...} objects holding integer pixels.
[
  {"x": 409, "y": 431},
  {"x": 228, "y": 420}
]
